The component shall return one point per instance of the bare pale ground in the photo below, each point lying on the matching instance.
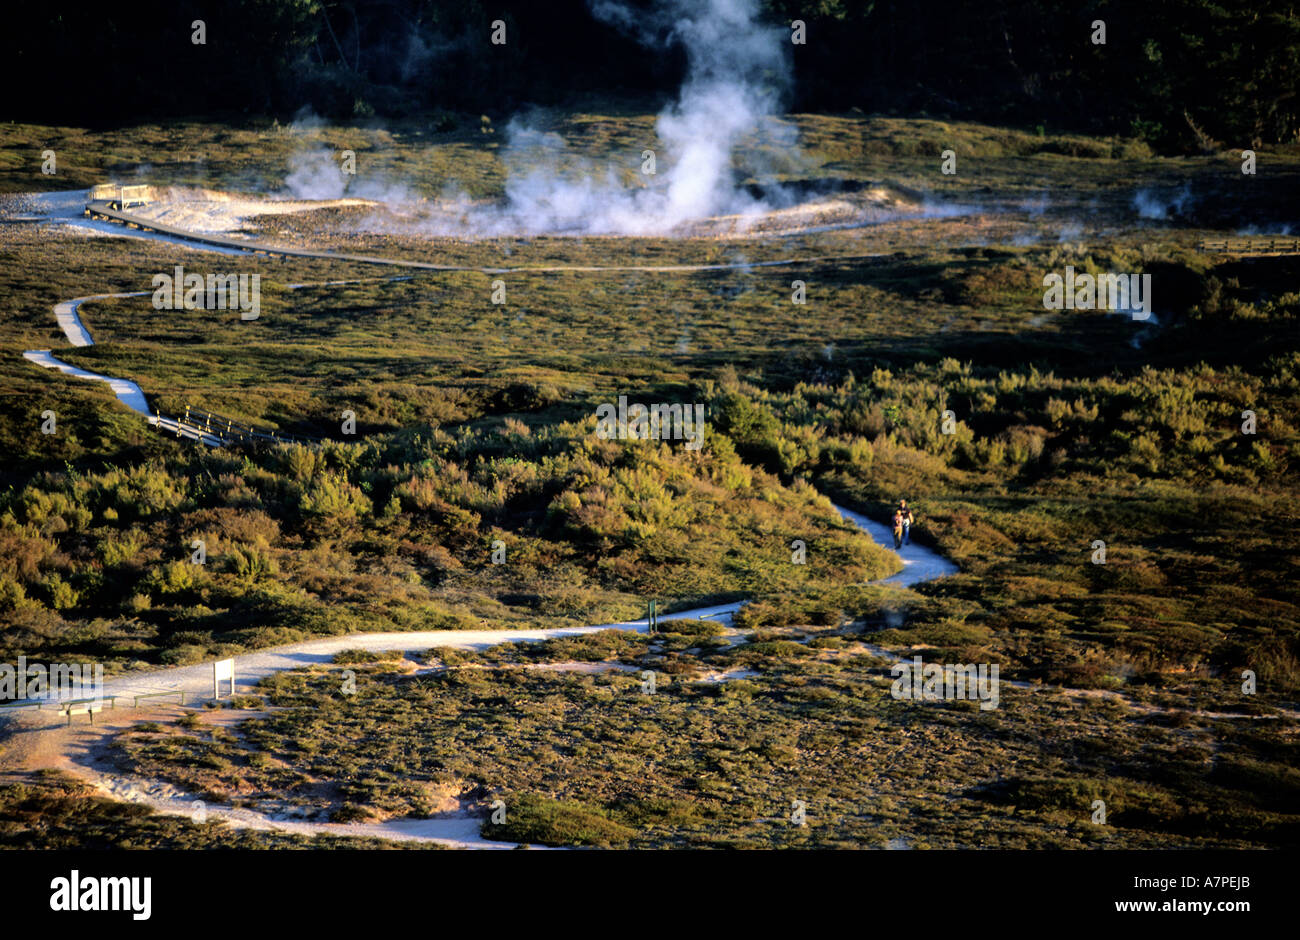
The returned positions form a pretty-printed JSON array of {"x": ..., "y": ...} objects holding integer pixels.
[
  {"x": 63, "y": 211},
  {"x": 714, "y": 678},
  {"x": 81, "y": 749},
  {"x": 217, "y": 212}
]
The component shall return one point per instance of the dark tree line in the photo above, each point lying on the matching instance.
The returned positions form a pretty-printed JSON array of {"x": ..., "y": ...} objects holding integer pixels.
[{"x": 1180, "y": 73}]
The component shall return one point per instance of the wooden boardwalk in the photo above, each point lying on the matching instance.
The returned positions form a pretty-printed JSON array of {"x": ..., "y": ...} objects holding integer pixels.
[
  {"x": 227, "y": 431},
  {"x": 1254, "y": 245}
]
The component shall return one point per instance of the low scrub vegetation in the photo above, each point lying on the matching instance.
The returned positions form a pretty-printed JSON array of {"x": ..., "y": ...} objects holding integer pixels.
[{"x": 923, "y": 366}]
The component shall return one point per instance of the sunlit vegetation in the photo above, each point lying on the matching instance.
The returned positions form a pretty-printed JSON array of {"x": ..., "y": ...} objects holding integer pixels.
[
  {"x": 593, "y": 758},
  {"x": 476, "y": 423}
]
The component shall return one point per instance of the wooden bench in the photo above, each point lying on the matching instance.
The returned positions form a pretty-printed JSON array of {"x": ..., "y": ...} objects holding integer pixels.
[
  {"x": 158, "y": 695},
  {"x": 36, "y": 704},
  {"x": 83, "y": 708}
]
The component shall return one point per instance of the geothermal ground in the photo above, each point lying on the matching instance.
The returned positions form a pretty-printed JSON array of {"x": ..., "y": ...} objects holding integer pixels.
[{"x": 226, "y": 213}]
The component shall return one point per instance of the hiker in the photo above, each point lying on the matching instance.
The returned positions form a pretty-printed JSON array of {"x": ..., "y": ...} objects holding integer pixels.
[
  {"x": 907, "y": 521},
  {"x": 898, "y": 529}
]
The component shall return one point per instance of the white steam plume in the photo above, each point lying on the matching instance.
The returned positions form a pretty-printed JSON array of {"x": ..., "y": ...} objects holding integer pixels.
[
  {"x": 737, "y": 70},
  {"x": 316, "y": 173}
]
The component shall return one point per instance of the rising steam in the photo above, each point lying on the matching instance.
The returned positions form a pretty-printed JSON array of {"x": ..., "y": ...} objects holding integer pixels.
[
  {"x": 737, "y": 71},
  {"x": 715, "y": 133}
]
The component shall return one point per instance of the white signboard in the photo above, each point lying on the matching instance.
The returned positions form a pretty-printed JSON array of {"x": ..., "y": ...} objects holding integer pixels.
[{"x": 223, "y": 669}]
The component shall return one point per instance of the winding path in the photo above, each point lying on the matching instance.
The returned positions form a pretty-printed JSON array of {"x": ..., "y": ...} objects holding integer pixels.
[
  {"x": 919, "y": 564},
  {"x": 68, "y": 208},
  {"x": 459, "y": 830}
]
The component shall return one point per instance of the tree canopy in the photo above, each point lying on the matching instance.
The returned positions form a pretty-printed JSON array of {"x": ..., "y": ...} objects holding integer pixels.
[{"x": 1179, "y": 73}]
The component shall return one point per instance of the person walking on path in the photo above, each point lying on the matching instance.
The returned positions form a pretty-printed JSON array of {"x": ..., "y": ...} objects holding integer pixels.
[
  {"x": 898, "y": 529},
  {"x": 907, "y": 520}
]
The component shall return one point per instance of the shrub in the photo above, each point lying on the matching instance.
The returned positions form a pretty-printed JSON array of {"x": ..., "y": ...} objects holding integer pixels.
[
  {"x": 349, "y": 813},
  {"x": 251, "y": 565},
  {"x": 170, "y": 578},
  {"x": 62, "y": 596},
  {"x": 118, "y": 549},
  {"x": 332, "y": 497},
  {"x": 12, "y": 594},
  {"x": 693, "y": 628},
  {"x": 350, "y": 657},
  {"x": 531, "y": 818}
]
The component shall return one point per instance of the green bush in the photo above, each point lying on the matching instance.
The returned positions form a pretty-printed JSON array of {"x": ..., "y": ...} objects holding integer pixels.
[{"x": 536, "y": 819}]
